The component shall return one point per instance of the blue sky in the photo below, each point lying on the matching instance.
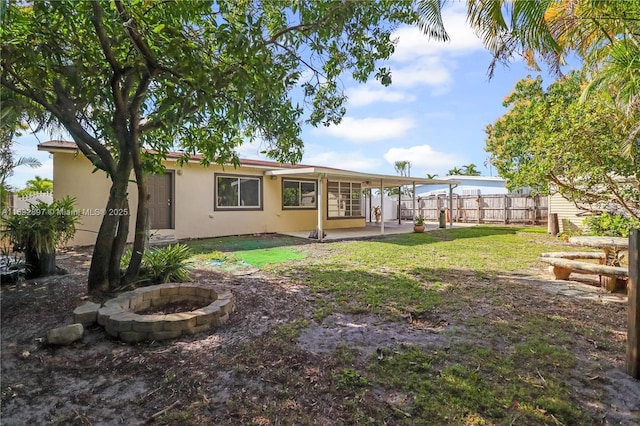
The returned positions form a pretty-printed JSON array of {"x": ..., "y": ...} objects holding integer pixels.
[{"x": 433, "y": 114}]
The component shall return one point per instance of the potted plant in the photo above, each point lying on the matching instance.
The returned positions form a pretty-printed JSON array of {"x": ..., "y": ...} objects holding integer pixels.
[{"x": 418, "y": 224}]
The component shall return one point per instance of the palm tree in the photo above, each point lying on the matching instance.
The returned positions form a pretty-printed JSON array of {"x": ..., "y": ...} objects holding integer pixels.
[
  {"x": 455, "y": 172},
  {"x": 604, "y": 34},
  {"x": 36, "y": 185},
  {"x": 470, "y": 170},
  {"x": 402, "y": 167},
  {"x": 432, "y": 175},
  {"x": 7, "y": 164}
]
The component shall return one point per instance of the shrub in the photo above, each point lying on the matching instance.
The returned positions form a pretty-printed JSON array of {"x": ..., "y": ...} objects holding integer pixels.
[
  {"x": 164, "y": 264},
  {"x": 611, "y": 225},
  {"x": 41, "y": 229}
]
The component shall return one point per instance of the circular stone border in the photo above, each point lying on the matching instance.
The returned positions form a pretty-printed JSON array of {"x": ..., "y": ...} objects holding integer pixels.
[{"x": 119, "y": 318}]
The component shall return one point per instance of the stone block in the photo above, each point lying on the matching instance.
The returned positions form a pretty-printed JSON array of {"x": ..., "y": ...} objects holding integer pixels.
[
  {"x": 65, "y": 335},
  {"x": 206, "y": 293},
  {"x": 212, "y": 309},
  {"x": 170, "y": 290},
  {"x": 121, "y": 322},
  {"x": 160, "y": 301},
  {"x": 225, "y": 305},
  {"x": 134, "y": 301},
  {"x": 86, "y": 314},
  {"x": 151, "y": 294},
  {"x": 188, "y": 290},
  {"x": 179, "y": 321},
  {"x": 106, "y": 311},
  {"x": 148, "y": 323},
  {"x": 203, "y": 317},
  {"x": 141, "y": 306},
  {"x": 177, "y": 298}
]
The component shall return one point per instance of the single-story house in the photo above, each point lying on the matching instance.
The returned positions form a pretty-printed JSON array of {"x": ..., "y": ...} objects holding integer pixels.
[{"x": 194, "y": 201}]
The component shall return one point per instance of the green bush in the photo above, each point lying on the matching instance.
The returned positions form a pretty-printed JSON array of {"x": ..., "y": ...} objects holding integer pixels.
[
  {"x": 610, "y": 225},
  {"x": 39, "y": 230},
  {"x": 163, "y": 264}
]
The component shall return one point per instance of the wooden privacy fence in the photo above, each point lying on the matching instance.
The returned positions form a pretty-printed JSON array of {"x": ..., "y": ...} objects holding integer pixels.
[{"x": 506, "y": 208}]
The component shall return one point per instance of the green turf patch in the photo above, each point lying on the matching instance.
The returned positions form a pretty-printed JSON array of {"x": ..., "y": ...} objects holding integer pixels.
[
  {"x": 244, "y": 242},
  {"x": 260, "y": 257}
]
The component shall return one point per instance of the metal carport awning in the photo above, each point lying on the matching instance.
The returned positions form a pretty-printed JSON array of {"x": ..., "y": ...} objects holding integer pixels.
[{"x": 367, "y": 180}]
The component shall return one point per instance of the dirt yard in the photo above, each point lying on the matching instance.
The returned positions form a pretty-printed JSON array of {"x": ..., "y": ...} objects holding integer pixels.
[{"x": 238, "y": 373}]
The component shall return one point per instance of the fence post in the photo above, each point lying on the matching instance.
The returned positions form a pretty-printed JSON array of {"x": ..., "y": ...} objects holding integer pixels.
[
  {"x": 633, "y": 293},
  {"x": 505, "y": 200}
]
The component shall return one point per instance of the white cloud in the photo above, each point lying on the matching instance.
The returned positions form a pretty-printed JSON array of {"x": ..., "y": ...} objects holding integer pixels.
[
  {"x": 424, "y": 157},
  {"x": 362, "y": 95},
  {"x": 251, "y": 150},
  {"x": 370, "y": 129},
  {"x": 412, "y": 43},
  {"x": 430, "y": 71}
]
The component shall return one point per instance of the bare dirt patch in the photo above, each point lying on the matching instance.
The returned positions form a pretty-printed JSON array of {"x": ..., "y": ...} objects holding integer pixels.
[{"x": 272, "y": 362}]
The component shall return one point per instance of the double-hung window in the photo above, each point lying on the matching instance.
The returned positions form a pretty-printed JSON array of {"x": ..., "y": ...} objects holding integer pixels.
[
  {"x": 344, "y": 199},
  {"x": 238, "y": 192},
  {"x": 299, "y": 194}
]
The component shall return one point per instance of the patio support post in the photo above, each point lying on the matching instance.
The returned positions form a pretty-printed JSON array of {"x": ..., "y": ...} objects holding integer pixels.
[
  {"x": 399, "y": 202},
  {"x": 381, "y": 207},
  {"x": 414, "y": 200},
  {"x": 450, "y": 206},
  {"x": 320, "y": 198}
]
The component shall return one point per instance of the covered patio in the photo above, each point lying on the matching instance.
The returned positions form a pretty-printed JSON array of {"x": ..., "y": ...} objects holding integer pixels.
[
  {"x": 368, "y": 181},
  {"x": 370, "y": 230}
]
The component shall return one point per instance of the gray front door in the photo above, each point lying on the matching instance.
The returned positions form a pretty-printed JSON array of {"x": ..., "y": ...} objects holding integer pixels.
[{"x": 161, "y": 201}]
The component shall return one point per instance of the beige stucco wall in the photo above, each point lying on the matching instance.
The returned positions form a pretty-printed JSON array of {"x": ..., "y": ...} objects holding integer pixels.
[
  {"x": 72, "y": 175},
  {"x": 194, "y": 214}
]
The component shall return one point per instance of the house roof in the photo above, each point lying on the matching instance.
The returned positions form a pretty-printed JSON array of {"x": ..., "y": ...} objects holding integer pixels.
[{"x": 273, "y": 168}]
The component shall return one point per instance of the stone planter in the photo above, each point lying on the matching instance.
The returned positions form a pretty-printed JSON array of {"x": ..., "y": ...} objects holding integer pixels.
[{"x": 418, "y": 228}]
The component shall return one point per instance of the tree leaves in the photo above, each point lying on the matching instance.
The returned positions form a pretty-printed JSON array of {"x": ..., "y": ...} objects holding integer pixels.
[{"x": 549, "y": 137}]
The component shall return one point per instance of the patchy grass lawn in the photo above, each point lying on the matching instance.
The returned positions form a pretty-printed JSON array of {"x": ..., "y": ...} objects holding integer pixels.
[{"x": 451, "y": 327}]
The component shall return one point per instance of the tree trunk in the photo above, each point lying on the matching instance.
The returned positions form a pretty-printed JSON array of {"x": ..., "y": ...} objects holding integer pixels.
[
  {"x": 106, "y": 250},
  {"x": 39, "y": 264},
  {"x": 115, "y": 275},
  {"x": 142, "y": 218}
]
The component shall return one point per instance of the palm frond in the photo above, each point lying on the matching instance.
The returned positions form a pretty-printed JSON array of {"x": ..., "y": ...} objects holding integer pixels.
[{"x": 430, "y": 19}]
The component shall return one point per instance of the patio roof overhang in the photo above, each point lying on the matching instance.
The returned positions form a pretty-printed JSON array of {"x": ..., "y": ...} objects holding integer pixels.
[{"x": 368, "y": 180}]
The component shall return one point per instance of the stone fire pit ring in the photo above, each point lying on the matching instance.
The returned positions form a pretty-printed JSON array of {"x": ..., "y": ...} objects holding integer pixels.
[{"x": 119, "y": 318}]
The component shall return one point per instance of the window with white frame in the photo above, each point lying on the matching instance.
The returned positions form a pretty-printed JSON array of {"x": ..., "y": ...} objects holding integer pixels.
[
  {"x": 238, "y": 192},
  {"x": 299, "y": 194},
  {"x": 344, "y": 199}
]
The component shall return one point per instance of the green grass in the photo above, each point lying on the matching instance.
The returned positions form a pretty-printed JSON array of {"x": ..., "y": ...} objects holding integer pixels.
[{"x": 506, "y": 361}]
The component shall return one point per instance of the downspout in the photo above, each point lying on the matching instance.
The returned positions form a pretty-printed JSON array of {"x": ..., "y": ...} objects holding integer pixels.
[{"x": 320, "y": 198}]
